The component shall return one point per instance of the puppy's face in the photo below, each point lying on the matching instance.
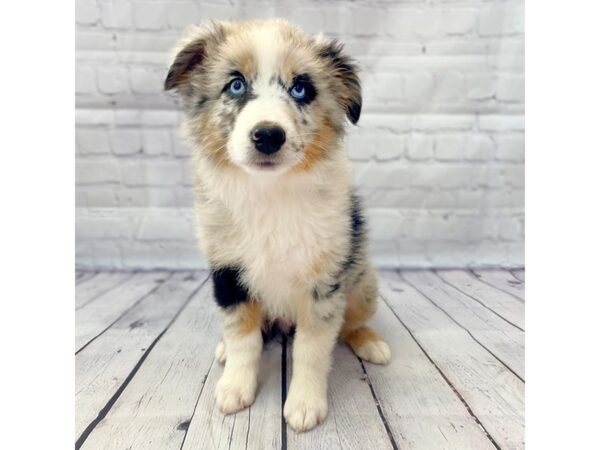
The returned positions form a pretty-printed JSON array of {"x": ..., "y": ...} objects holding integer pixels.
[{"x": 264, "y": 96}]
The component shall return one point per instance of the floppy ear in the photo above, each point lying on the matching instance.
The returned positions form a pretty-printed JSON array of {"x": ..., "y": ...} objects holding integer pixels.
[
  {"x": 191, "y": 52},
  {"x": 345, "y": 69}
]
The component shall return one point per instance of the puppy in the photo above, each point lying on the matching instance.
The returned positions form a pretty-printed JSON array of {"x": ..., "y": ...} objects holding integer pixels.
[{"x": 265, "y": 108}]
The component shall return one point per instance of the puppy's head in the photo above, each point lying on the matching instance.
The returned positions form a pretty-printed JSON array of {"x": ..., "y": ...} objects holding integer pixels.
[{"x": 263, "y": 95}]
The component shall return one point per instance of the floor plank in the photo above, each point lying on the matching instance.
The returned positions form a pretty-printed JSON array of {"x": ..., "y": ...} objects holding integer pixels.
[
  {"x": 153, "y": 412},
  {"x": 503, "y": 340},
  {"x": 503, "y": 280},
  {"x": 493, "y": 393},
  {"x": 503, "y": 304},
  {"x": 104, "y": 366},
  {"x": 91, "y": 289},
  {"x": 93, "y": 318},
  {"x": 257, "y": 427},
  {"x": 422, "y": 410},
  {"x": 80, "y": 277},
  {"x": 351, "y": 410},
  {"x": 519, "y": 274}
]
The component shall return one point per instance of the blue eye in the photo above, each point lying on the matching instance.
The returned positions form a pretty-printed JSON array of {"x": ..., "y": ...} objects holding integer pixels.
[
  {"x": 237, "y": 87},
  {"x": 298, "y": 91}
]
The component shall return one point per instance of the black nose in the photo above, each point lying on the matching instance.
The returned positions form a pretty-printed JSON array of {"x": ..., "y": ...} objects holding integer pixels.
[{"x": 267, "y": 137}]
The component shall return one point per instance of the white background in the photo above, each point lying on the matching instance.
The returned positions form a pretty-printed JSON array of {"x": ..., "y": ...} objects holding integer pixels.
[{"x": 438, "y": 154}]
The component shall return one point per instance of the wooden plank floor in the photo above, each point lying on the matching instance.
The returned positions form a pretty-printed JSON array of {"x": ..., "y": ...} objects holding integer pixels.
[{"x": 146, "y": 374}]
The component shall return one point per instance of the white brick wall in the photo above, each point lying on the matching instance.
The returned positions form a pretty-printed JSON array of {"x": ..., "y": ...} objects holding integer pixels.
[{"x": 439, "y": 153}]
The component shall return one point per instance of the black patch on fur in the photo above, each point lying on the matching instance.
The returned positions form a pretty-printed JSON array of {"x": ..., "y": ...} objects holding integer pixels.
[
  {"x": 306, "y": 82},
  {"x": 192, "y": 55},
  {"x": 333, "y": 288},
  {"x": 354, "y": 112},
  {"x": 345, "y": 69},
  {"x": 358, "y": 230},
  {"x": 228, "y": 289}
]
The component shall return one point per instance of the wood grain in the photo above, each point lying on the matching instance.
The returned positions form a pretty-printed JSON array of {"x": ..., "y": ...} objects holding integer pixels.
[
  {"x": 104, "y": 365},
  {"x": 503, "y": 340},
  {"x": 492, "y": 392},
  {"x": 421, "y": 409},
  {"x": 503, "y": 280},
  {"x": 91, "y": 289},
  {"x": 80, "y": 276},
  {"x": 503, "y": 304},
  {"x": 95, "y": 317}
]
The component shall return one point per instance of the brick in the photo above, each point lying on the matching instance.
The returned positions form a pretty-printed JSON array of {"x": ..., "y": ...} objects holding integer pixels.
[
  {"x": 180, "y": 149},
  {"x": 450, "y": 147},
  {"x": 500, "y": 21},
  {"x": 156, "y": 142},
  {"x": 443, "y": 122},
  {"x": 126, "y": 141},
  {"x": 117, "y": 14},
  {"x": 420, "y": 147},
  {"x": 112, "y": 80},
  {"x": 313, "y": 19},
  {"x": 152, "y": 173},
  {"x": 85, "y": 80},
  {"x": 150, "y": 16},
  {"x": 511, "y": 147},
  {"x": 458, "y": 21},
  {"x": 508, "y": 55},
  {"x": 95, "y": 226},
  {"x": 364, "y": 20},
  {"x": 383, "y": 87},
  {"x": 480, "y": 87},
  {"x": 501, "y": 123},
  {"x": 86, "y": 12},
  {"x": 480, "y": 147},
  {"x": 360, "y": 147},
  {"x": 146, "y": 81},
  {"x": 92, "y": 141},
  {"x": 390, "y": 175},
  {"x": 514, "y": 176},
  {"x": 418, "y": 87},
  {"x": 182, "y": 14},
  {"x": 187, "y": 167},
  {"x": 165, "y": 226},
  {"x": 511, "y": 88},
  {"x": 95, "y": 172},
  {"x": 450, "y": 87},
  {"x": 390, "y": 147}
]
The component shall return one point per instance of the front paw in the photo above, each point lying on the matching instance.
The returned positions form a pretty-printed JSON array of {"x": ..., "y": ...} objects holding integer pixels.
[
  {"x": 304, "y": 410},
  {"x": 235, "y": 392}
]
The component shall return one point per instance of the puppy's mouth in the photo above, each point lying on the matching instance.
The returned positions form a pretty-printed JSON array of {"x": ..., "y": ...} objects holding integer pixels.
[{"x": 265, "y": 165}]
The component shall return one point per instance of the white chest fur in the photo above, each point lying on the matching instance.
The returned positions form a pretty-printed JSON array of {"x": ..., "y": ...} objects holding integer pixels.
[{"x": 277, "y": 229}]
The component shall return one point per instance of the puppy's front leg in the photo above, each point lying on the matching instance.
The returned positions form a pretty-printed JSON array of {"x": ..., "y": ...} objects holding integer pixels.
[
  {"x": 243, "y": 343},
  {"x": 318, "y": 325}
]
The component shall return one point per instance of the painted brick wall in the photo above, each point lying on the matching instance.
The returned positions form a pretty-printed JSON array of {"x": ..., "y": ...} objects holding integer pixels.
[{"x": 439, "y": 153}]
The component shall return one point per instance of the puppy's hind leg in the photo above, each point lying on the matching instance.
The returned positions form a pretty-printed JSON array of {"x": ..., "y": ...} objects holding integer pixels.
[{"x": 361, "y": 305}]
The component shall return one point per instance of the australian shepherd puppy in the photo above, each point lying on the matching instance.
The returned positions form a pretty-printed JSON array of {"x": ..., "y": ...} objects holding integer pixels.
[{"x": 265, "y": 108}]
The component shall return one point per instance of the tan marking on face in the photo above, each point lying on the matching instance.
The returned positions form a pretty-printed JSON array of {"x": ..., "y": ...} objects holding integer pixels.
[
  {"x": 316, "y": 150},
  {"x": 251, "y": 317},
  {"x": 212, "y": 141},
  {"x": 241, "y": 56}
]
